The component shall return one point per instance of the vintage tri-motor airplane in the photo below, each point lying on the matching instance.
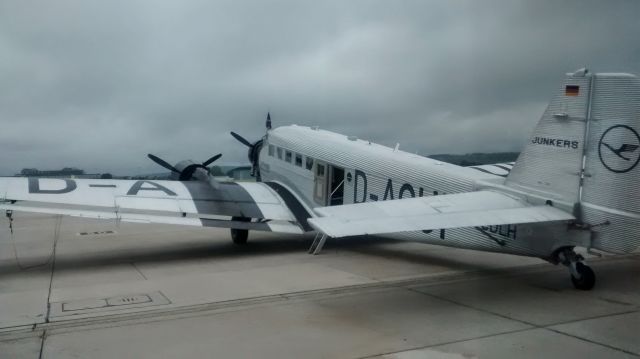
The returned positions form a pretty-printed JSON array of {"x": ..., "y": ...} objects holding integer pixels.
[{"x": 575, "y": 184}]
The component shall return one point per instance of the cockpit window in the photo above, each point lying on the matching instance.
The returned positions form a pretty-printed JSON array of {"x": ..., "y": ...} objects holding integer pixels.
[
  {"x": 279, "y": 150},
  {"x": 271, "y": 150},
  {"x": 287, "y": 156},
  {"x": 298, "y": 160}
]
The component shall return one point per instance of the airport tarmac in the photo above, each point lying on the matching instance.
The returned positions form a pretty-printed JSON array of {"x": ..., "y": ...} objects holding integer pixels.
[{"x": 158, "y": 291}]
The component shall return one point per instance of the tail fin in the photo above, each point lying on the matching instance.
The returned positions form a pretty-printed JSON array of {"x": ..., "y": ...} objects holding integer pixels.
[
  {"x": 586, "y": 150},
  {"x": 551, "y": 162}
]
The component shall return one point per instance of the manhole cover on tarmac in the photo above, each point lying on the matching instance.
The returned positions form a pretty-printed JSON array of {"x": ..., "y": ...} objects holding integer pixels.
[
  {"x": 129, "y": 299},
  {"x": 93, "y": 305},
  {"x": 83, "y": 304}
]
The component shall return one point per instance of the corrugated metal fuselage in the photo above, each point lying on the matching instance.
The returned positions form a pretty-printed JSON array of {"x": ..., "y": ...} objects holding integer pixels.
[{"x": 357, "y": 171}]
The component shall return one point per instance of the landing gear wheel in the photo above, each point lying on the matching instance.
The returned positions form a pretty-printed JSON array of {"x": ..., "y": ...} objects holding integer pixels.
[
  {"x": 239, "y": 236},
  {"x": 587, "y": 277}
]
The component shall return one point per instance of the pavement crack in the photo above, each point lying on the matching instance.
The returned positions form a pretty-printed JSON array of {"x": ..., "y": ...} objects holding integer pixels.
[
  {"x": 44, "y": 337},
  {"x": 590, "y": 318},
  {"x": 447, "y": 343},
  {"x": 592, "y": 341},
  {"x": 133, "y": 264},
  {"x": 56, "y": 234},
  {"x": 533, "y": 325},
  {"x": 474, "y": 308}
]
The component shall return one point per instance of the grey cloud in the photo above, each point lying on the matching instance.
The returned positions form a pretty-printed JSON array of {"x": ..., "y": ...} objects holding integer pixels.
[{"x": 99, "y": 84}]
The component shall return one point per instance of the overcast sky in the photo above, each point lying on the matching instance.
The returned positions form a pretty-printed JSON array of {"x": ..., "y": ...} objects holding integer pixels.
[{"x": 99, "y": 84}]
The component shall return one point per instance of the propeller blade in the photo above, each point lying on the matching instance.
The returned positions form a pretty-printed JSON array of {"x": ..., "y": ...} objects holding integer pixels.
[
  {"x": 211, "y": 160},
  {"x": 162, "y": 163},
  {"x": 241, "y": 139}
]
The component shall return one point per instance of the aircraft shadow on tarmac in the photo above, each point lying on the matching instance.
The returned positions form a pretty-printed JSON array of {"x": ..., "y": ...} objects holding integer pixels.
[{"x": 181, "y": 250}]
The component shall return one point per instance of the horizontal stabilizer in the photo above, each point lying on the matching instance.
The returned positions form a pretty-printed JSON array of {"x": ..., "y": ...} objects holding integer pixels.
[{"x": 482, "y": 208}]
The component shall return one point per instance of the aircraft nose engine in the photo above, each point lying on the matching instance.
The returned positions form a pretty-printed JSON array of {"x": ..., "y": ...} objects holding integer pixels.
[
  {"x": 184, "y": 170},
  {"x": 254, "y": 149},
  {"x": 253, "y": 153}
]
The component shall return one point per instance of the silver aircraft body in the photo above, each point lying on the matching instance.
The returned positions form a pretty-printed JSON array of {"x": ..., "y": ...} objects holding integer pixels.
[{"x": 575, "y": 184}]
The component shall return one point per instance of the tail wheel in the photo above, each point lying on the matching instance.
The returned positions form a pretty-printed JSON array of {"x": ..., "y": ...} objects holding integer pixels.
[{"x": 587, "y": 278}]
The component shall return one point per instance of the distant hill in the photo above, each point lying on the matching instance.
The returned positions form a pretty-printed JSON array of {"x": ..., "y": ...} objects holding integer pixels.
[{"x": 474, "y": 159}]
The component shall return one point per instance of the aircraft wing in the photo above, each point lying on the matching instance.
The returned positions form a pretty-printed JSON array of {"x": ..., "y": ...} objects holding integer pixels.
[
  {"x": 482, "y": 208},
  {"x": 194, "y": 203}
]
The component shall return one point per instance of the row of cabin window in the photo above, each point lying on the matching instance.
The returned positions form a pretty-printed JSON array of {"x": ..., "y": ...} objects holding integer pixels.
[{"x": 288, "y": 156}]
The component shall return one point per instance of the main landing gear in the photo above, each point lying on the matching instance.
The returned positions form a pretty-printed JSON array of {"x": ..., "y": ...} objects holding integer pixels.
[
  {"x": 582, "y": 276},
  {"x": 240, "y": 236}
]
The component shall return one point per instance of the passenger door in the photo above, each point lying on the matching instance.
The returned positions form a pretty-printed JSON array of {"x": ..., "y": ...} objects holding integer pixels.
[{"x": 320, "y": 183}]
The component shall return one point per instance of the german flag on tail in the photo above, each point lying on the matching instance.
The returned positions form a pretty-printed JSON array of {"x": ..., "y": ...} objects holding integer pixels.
[{"x": 572, "y": 90}]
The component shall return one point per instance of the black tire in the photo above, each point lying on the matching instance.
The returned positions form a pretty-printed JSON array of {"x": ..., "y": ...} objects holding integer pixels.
[
  {"x": 587, "y": 277},
  {"x": 239, "y": 236}
]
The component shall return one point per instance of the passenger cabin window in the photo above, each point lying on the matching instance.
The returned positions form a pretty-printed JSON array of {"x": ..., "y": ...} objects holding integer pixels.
[
  {"x": 271, "y": 150},
  {"x": 298, "y": 160},
  {"x": 287, "y": 156},
  {"x": 279, "y": 150},
  {"x": 309, "y": 163}
]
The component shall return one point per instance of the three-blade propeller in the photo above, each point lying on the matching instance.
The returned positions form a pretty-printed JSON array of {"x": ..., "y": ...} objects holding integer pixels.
[
  {"x": 211, "y": 160},
  {"x": 241, "y": 139},
  {"x": 162, "y": 163},
  {"x": 187, "y": 171},
  {"x": 254, "y": 152},
  {"x": 254, "y": 149}
]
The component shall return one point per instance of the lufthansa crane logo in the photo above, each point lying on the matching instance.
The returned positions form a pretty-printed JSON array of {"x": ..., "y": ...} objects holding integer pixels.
[{"x": 619, "y": 148}]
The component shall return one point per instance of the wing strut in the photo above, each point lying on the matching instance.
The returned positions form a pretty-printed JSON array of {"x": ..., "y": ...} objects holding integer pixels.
[{"x": 318, "y": 242}]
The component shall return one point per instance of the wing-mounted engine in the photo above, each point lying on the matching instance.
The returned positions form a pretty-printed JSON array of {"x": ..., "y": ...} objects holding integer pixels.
[{"x": 187, "y": 170}]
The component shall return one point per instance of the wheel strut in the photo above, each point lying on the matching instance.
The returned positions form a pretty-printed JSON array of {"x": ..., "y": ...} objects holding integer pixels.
[{"x": 582, "y": 276}]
